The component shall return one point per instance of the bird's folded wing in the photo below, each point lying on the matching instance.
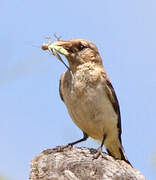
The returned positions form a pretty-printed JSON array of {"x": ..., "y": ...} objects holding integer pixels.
[{"x": 113, "y": 99}]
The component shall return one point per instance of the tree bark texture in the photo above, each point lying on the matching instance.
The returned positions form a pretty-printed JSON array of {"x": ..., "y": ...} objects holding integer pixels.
[{"x": 79, "y": 164}]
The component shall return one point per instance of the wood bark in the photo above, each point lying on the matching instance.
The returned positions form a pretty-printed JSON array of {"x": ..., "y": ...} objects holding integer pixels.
[{"x": 79, "y": 164}]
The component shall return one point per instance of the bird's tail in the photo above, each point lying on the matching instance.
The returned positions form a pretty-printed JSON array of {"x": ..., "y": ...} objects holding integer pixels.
[{"x": 116, "y": 150}]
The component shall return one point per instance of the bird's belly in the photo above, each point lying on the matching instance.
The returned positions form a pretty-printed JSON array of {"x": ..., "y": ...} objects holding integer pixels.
[{"x": 92, "y": 112}]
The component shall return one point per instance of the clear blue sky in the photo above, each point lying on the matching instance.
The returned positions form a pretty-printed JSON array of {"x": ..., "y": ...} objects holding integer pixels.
[{"x": 32, "y": 116}]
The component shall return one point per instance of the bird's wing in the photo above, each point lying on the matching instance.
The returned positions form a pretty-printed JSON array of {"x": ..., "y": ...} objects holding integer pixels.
[
  {"x": 113, "y": 99},
  {"x": 61, "y": 86}
]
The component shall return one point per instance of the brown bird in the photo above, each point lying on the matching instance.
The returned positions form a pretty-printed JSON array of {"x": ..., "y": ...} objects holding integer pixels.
[{"x": 89, "y": 95}]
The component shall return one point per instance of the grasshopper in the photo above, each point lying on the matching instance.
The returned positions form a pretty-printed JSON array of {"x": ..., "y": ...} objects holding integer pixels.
[{"x": 53, "y": 48}]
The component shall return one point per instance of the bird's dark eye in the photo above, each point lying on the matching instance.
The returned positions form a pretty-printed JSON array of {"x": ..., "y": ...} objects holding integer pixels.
[{"x": 81, "y": 47}]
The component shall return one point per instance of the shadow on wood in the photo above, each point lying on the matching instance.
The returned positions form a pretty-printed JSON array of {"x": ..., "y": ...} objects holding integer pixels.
[{"x": 78, "y": 164}]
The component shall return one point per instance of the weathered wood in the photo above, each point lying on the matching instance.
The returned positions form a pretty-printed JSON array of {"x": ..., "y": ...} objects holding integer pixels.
[{"x": 79, "y": 164}]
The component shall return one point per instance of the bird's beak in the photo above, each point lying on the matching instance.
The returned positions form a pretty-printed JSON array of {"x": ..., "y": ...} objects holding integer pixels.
[{"x": 60, "y": 47}]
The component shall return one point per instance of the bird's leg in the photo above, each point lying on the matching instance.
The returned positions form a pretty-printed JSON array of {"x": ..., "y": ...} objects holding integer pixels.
[
  {"x": 99, "y": 150},
  {"x": 85, "y": 136}
]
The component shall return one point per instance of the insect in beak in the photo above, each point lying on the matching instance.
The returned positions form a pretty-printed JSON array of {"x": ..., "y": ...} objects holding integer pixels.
[{"x": 55, "y": 50}]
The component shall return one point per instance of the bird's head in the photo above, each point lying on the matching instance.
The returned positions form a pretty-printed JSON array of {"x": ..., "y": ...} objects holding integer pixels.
[{"x": 78, "y": 51}]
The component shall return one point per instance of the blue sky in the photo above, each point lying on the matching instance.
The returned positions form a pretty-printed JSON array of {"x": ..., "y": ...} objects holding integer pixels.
[{"x": 32, "y": 115}]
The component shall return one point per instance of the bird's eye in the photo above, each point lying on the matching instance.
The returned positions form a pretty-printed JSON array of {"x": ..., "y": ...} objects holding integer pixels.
[{"x": 81, "y": 47}]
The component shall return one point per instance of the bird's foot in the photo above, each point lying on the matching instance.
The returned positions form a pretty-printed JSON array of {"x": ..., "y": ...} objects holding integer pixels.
[
  {"x": 61, "y": 148},
  {"x": 98, "y": 153}
]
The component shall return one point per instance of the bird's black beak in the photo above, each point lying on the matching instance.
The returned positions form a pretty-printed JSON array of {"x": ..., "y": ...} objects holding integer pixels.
[
  {"x": 61, "y": 47},
  {"x": 58, "y": 47}
]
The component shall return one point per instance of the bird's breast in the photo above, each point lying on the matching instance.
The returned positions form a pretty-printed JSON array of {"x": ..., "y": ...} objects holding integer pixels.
[{"x": 89, "y": 105}]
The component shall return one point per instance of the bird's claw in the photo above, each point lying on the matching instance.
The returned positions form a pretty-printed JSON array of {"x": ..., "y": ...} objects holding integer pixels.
[
  {"x": 61, "y": 148},
  {"x": 98, "y": 153}
]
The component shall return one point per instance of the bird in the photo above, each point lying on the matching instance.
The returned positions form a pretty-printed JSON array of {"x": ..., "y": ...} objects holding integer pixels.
[{"x": 90, "y": 97}]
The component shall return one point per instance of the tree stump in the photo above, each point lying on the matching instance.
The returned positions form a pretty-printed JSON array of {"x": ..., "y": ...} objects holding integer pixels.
[{"x": 79, "y": 164}]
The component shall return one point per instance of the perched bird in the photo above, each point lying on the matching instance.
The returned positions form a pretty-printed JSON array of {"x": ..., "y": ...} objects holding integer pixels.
[{"x": 89, "y": 95}]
